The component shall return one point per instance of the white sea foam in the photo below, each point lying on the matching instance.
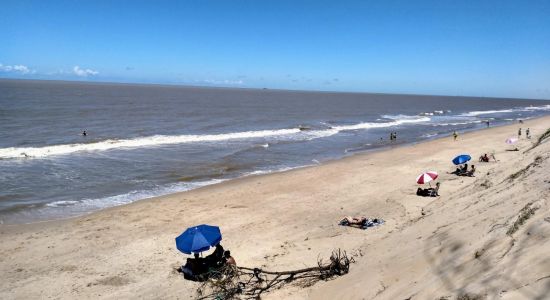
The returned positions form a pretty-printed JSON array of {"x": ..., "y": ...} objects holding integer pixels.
[
  {"x": 263, "y": 172},
  {"x": 99, "y": 203},
  {"x": 398, "y": 120},
  {"x": 159, "y": 140},
  {"x": 62, "y": 203},
  {"x": 151, "y": 141},
  {"x": 486, "y": 112},
  {"x": 458, "y": 123},
  {"x": 544, "y": 107},
  {"x": 517, "y": 109}
]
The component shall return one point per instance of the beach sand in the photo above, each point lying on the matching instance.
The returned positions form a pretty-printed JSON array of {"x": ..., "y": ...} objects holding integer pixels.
[{"x": 429, "y": 248}]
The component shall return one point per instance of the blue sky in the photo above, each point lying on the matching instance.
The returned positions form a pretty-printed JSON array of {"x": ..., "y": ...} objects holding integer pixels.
[{"x": 475, "y": 48}]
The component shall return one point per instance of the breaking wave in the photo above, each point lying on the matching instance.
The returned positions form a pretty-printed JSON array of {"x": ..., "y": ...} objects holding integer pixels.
[{"x": 160, "y": 140}]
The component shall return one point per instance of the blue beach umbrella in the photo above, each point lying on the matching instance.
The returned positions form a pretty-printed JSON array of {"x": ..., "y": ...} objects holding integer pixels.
[
  {"x": 461, "y": 159},
  {"x": 198, "y": 238}
]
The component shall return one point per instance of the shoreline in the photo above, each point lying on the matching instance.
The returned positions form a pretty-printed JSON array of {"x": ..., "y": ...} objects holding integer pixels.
[
  {"x": 229, "y": 180},
  {"x": 287, "y": 220}
]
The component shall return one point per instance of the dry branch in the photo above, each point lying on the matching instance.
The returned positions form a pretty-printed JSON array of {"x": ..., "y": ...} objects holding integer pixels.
[{"x": 250, "y": 283}]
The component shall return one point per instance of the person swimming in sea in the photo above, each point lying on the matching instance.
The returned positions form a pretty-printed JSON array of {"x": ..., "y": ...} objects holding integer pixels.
[{"x": 84, "y": 133}]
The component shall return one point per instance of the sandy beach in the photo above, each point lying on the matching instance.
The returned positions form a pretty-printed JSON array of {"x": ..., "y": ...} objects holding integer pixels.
[{"x": 468, "y": 241}]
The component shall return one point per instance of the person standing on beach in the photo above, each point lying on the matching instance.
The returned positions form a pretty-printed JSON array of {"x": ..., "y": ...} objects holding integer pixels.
[
  {"x": 455, "y": 135},
  {"x": 528, "y": 133},
  {"x": 519, "y": 133},
  {"x": 488, "y": 123},
  {"x": 391, "y": 136},
  {"x": 395, "y": 135}
]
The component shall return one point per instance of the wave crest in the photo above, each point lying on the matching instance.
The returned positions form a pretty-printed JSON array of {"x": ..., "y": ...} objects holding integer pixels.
[{"x": 160, "y": 140}]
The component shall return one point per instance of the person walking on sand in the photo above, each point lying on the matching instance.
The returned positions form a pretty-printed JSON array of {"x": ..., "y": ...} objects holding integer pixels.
[
  {"x": 519, "y": 133},
  {"x": 528, "y": 133},
  {"x": 455, "y": 135}
]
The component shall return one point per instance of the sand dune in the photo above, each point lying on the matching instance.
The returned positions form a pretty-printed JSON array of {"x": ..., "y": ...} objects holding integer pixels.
[{"x": 486, "y": 236}]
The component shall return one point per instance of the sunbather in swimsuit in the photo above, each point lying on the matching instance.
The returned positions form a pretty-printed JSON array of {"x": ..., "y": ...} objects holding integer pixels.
[{"x": 354, "y": 220}]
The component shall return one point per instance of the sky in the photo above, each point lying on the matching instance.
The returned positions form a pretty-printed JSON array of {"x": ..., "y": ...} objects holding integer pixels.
[{"x": 469, "y": 48}]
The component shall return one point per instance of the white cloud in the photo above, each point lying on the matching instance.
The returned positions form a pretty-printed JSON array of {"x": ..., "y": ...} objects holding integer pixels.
[
  {"x": 83, "y": 72},
  {"x": 21, "y": 69}
]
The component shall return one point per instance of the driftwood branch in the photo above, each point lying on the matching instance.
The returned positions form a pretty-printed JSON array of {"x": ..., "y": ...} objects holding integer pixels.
[{"x": 249, "y": 283}]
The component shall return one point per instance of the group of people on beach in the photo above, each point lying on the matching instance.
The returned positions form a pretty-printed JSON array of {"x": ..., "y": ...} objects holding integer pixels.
[
  {"x": 199, "y": 268},
  {"x": 464, "y": 171}
]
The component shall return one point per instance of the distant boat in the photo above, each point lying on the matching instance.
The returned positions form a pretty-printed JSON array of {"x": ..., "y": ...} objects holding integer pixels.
[{"x": 304, "y": 128}]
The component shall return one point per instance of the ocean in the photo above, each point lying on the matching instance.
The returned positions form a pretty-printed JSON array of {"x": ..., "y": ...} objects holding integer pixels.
[{"x": 149, "y": 140}]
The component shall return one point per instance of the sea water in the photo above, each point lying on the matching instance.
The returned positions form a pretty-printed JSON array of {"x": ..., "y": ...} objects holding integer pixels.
[{"x": 148, "y": 140}]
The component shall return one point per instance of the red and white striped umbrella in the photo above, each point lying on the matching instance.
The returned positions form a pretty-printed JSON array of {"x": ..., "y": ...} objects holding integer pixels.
[{"x": 426, "y": 177}]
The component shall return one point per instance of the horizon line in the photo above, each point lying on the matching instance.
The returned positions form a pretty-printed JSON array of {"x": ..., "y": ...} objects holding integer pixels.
[{"x": 255, "y": 88}]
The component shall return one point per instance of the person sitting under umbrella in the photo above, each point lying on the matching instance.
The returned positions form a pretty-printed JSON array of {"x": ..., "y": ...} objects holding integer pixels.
[
  {"x": 229, "y": 260},
  {"x": 460, "y": 171},
  {"x": 434, "y": 192},
  {"x": 457, "y": 171},
  {"x": 194, "y": 267},
  {"x": 216, "y": 258},
  {"x": 429, "y": 192},
  {"x": 194, "y": 240}
]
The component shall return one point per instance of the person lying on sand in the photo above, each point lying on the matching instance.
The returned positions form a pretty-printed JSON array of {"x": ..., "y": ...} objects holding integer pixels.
[
  {"x": 360, "y": 222},
  {"x": 354, "y": 220}
]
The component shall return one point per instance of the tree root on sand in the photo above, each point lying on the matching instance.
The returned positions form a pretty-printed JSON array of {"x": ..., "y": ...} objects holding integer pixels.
[{"x": 249, "y": 283}]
